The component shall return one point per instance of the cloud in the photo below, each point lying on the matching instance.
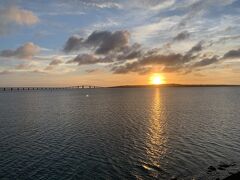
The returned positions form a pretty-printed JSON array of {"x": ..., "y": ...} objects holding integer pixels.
[
  {"x": 146, "y": 62},
  {"x": 182, "y": 36},
  {"x": 37, "y": 71},
  {"x": 122, "y": 57},
  {"x": 153, "y": 5},
  {"x": 127, "y": 53},
  {"x": 107, "y": 5},
  {"x": 196, "y": 48},
  {"x": 92, "y": 70},
  {"x": 206, "y": 62},
  {"x": 198, "y": 7},
  {"x": 25, "y": 51},
  {"x": 171, "y": 62},
  {"x": 103, "y": 47},
  {"x": 138, "y": 60},
  {"x": 102, "y": 42},
  {"x": 162, "y": 5},
  {"x": 111, "y": 42},
  {"x": 232, "y": 54},
  {"x": 131, "y": 67},
  {"x": 23, "y": 66},
  {"x": 15, "y": 15},
  {"x": 84, "y": 59},
  {"x": 227, "y": 38},
  {"x": 194, "y": 9},
  {"x": 103, "y": 4},
  {"x": 130, "y": 52},
  {"x": 74, "y": 43},
  {"x": 170, "y": 69},
  {"x": 55, "y": 62}
]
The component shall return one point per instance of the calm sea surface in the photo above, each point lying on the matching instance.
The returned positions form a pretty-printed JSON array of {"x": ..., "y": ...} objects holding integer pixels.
[{"x": 155, "y": 133}]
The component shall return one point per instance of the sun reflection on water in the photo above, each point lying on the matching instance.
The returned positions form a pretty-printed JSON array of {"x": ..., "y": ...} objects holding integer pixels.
[{"x": 156, "y": 136}]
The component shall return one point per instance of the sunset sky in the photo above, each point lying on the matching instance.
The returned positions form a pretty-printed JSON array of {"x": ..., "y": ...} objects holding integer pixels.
[{"x": 107, "y": 42}]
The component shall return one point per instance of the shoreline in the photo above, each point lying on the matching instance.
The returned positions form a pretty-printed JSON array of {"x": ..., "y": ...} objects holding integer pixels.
[{"x": 174, "y": 85}]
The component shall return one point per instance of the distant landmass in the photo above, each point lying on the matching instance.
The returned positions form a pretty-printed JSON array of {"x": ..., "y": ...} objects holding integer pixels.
[{"x": 174, "y": 85}]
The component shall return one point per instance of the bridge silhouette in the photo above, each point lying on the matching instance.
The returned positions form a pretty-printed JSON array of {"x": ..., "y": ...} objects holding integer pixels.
[{"x": 47, "y": 88}]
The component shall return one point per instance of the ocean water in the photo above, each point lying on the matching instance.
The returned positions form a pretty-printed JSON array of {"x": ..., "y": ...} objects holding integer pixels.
[{"x": 135, "y": 133}]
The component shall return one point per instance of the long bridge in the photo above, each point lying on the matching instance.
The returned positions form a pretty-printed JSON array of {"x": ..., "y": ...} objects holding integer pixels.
[{"x": 47, "y": 88}]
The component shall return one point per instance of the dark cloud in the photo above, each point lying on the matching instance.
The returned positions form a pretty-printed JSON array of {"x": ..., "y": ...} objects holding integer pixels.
[
  {"x": 168, "y": 60},
  {"x": 196, "y": 48},
  {"x": 114, "y": 41},
  {"x": 182, "y": 36},
  {"x": 206, "y": 62},
  {"x": 74, "y": 43},
  {"x": 232, "y": 54},
  {"x": 130, "y": 52},
  {"x": 123, "y": 54},
  {"x": 102, "y": 42},
  {"x": 172, "y": 62},
  {"x": 26, "y": 51},
  {"x": 131, "y": 67},
  {"x": 85, "y": 59},
  {"x": 143, "y": 60},
  {"x": 97, "y": 37},
  {"x": 113, "y": 48},
  {"x": 146, "y": 62}
]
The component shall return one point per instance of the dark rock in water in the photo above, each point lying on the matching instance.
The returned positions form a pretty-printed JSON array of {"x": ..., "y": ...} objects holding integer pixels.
[
  {"x": 221, "y": 168},
  {"x": 211, "y": 169},
  {"x": 233, "y": 177},
  {"x": 224, "y": 166}
]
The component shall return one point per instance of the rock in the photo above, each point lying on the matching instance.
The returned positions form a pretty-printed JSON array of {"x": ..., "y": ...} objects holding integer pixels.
[
  {"x": 224, "y": 166},
  {"x": 221, "y": 168},
  {"x": 211, "y": 169},
  {"x": 233, "y": 177},
  {"x": 173, "y": 178}
]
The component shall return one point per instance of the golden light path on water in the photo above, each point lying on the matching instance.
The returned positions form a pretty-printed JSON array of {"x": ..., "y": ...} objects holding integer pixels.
[{"x": 156, "y": 137}]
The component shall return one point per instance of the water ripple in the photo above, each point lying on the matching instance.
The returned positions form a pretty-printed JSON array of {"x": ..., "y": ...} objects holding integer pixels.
[{"x": 156, "y": 133}]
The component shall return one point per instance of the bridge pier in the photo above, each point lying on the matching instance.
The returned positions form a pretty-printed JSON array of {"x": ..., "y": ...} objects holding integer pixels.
[{"x": 47, "y": 88}]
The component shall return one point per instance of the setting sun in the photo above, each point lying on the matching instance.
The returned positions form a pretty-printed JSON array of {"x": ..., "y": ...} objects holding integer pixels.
[{"x": 156, "y": 79}]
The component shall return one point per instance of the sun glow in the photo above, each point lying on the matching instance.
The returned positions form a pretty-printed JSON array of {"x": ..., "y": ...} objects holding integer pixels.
[{"x": 157, "y": 79}]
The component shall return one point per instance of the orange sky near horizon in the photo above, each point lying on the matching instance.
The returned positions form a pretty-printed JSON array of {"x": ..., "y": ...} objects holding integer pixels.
[{"x": 105, "y": 79}]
